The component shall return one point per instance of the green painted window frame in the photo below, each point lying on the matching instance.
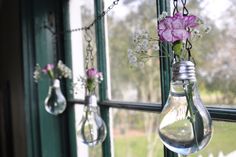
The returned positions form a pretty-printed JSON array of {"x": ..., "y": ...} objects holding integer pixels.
[
  {"x": 37, "y": 48},
  {"x": 222, "y": 114},
  {"x": 46, "y": 135}
]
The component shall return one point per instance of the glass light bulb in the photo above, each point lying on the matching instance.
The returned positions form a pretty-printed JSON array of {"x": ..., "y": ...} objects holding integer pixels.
[
  {"x": 55, "y": 102},
  {"x": 186, "y": 125},
  {"x": 92, "y": 129}
]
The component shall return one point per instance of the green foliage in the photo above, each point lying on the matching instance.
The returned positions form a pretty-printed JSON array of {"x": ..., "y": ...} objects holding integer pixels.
[
  {"x": 214, "y": 55},
  {"x": 91, "y": 85},
  {"x": 178, "y": 47},
  {"x": 145, "y": 80},
  {"x": 221, "y": 141},
  {"x": 135, "y": 147}
]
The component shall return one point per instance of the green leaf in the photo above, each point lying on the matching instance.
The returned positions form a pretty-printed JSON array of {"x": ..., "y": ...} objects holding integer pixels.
[{"x": 177, "y": 47}]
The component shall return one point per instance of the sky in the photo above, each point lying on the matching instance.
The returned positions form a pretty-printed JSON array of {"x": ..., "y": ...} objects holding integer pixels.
[{"x": 213, "y": 8}]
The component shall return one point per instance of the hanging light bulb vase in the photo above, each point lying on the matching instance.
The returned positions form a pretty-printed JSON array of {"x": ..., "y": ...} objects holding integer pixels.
[
  {"x": 92, "y": 129},
  {"x": 186, "y": 125},
  {"x": 55, "y": 102}
]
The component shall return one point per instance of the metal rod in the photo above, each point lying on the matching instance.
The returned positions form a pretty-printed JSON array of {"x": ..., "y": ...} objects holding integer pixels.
[{"x": 217, "y": 113}]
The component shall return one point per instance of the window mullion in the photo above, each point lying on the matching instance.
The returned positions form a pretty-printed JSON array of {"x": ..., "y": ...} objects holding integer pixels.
[
  {"x": 225, "y": 114},
  {"x": 102, "y": 66},
  {"x": 70, "y": 115},
  {"x": 163, "y": 5}
]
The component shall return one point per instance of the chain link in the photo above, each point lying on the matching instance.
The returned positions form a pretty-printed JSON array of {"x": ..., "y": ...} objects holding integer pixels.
[
  {"x": 176, "y": 9},
  {"x": 185, "y": 10},
  {"x": 188, "y": 47},
  {"x": 89, "y": 58},
  {"x": 188, "y": 44}
]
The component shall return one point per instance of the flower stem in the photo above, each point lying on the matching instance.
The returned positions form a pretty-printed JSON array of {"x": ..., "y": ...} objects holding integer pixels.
[
  {"x": 188, "y": 92},
  {"x": 50, "y": 74}
]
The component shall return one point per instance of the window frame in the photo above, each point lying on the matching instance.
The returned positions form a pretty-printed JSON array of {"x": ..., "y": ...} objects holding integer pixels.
[
  {"x": 222, "y": 114},
  {"x": 36, "y": 50},
  {"x": 46, "y": 135}
]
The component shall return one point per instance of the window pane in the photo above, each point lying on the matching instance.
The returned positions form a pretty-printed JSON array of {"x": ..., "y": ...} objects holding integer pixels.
[
  {"x": 223, "y": 142},
  {"x": 215, "y": 51},
  {"x": 81, "y": 14},
  {"x": 135, "y": 134},
  {"x": 141, "y": 82},
  {"x": 84, "y": 150}
]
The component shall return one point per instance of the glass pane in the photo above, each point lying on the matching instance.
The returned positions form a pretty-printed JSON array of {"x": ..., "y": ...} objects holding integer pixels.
[
  {"x": 223, "y": 142},
  {"x": 83, "y": 150},
  {"x": 139, "y": 81},
  {"x": 81, "y": 14},
  {"x": 135, "y": 134},
  {"x": 215, "y": 51}
]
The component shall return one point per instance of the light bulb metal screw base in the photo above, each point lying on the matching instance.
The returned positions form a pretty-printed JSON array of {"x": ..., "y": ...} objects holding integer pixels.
[
  {"x": 91, "y": 100},
  {"x": 183, "y": 70}
]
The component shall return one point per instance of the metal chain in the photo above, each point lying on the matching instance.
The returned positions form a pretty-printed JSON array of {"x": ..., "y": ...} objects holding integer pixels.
[
  {"x": 185, "y": 10},
  {"x": 188, "y": 44},
  {"x": 85, "y": 28},
  {"x": 176, "y": 9},
  {"x": 89, "y": 58}
]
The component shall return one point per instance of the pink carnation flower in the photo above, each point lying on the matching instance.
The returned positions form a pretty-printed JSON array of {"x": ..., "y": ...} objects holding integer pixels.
[
  {"x": 93, "y": 77},
  {"x": 174, "y": 28},
  {"x": 100, "y": 76},
  {"x": 47, "y": 68},
  {"x": 91, "y": 73}
]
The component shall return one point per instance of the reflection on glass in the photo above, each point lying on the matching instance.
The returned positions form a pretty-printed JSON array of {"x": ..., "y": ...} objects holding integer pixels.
[
  {"x": 215, "y": 52},
  {"x": 134, "y": 134},
  {"x": 140, "y": 83},
  {"x": 223, "y": 142}
]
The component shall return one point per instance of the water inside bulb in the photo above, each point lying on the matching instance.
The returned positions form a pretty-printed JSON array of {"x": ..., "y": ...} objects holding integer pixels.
[
  {"x": 185, "y": 125},
  {"x": 55, "y": 102},
  {"x": 92, "y": 129}
]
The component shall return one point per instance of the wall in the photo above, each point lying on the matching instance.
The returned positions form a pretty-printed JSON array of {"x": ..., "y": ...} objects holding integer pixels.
[{"x": 11, "y": 69}]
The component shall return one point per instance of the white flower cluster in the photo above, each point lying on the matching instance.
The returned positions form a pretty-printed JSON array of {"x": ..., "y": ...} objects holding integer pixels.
[
  {"x": 144, "y": 46},
  {"x": 162, "y": 16},
  {"x": 37, "y": 73},
  {"x": 58, "y": 72},
  {"x": 64, "y": 71},
  {"x": 79, "y": 85},
  {"x": 200, "y": 32}
]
